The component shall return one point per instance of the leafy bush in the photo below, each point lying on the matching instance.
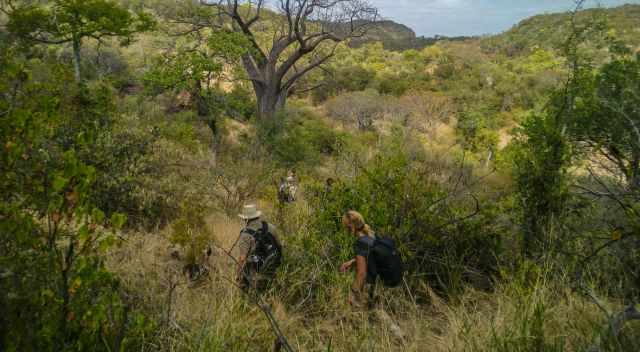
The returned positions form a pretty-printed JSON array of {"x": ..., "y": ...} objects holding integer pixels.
[
  {"x": 191, "y": 232},
  {"x": 344, "y": 78},
  {"x": 393, "y": 84},
  {"x": 303, "y": 139},
  {"x": 240, "y": 104},
  {"x": 56, "y": 291},
  {"x": 438, "y": 231}
]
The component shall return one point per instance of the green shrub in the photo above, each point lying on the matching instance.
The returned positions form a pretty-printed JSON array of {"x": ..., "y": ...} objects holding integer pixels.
[
  {"x": 191, "y": 232},
  {"x": 345, "y": 78},
  {"x": 398, "y": 198},
  {"x": 57, "y": 294},
  {"x": 392, "y": 84},
  {"x": 303, "y": 139},
  {"x": 240, "y": 103}
]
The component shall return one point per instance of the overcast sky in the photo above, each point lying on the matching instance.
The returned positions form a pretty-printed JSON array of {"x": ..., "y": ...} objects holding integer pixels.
[{"x": 472, "y": 17}]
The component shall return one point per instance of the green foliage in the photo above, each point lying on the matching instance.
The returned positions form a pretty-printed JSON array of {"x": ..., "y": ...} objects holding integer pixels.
[
  {"x": 240, "y": 103},
  {"x": 120, "y": 161},
  {"x": 541, "y": 166},
  {"x": 550, "y": 31},
  {"x": 606, "y": 114},
  {"x": 58, "y": 295},
  {"x": 398, "y": 198},
  {"x": 72, "y": 21},
  {"x": 303, "y": 139},
  {"x": 191, "y": 232},
  {"x": 198, "y": 69},
  {"x": 193, "y": 65},
  {"x": 604, "y": 127},
  {"x": 181, "y": 70},
  {"x": 68, "y": 20},
  {"x": 346, "y": 78},
  {"x": 478, "y": 131},
  {"x": 393, "y": 84}
]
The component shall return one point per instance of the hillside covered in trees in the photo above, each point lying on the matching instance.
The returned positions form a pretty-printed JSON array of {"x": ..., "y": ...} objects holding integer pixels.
[{"x": 505, "y": 168}]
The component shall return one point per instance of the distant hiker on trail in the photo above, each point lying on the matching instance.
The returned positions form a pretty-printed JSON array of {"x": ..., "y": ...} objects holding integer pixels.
[
  {"x": 283, "y": 191},
  {"x": 287, "y": 188},
  {"x": 292, "y": 185},
  {"x": 328, "y": 186},
  {"x": 373, "y": 257},
  {"x": 260, "y": 250}
]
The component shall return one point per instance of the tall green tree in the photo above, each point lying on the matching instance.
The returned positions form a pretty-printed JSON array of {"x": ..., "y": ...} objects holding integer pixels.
[
  {"x": 546, "y": 149},
  {"x": 606, "y": 126},
  {"x": 73, "y": 21},
  {"x": 540, "y": 169},
  {"x": 607, "y": 118},
  {"x": 198, "y": 66}
]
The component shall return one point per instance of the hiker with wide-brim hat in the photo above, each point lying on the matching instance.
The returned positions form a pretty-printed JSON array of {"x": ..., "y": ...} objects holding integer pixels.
[{"x": 260, "y": 252}]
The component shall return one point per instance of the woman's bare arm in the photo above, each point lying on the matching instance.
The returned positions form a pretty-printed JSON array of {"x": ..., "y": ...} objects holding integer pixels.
[
  {"x": 361, "y": 274},
  {"x": 347, "y": 265}
]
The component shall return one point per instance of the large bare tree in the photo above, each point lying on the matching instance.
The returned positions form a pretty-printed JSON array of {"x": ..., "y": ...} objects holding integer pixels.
[{"x": 288, "y": 38}]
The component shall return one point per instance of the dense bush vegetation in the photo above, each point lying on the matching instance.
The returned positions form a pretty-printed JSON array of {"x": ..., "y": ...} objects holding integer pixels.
[
  {"x": 57, "y": 293},
  {"x": 507, "y": 170}
]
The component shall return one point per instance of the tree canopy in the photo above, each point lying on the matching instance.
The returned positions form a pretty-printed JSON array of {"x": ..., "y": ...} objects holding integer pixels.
[
  {"x": 286, "y": 45},
  {"x": 72, "y": 21}
]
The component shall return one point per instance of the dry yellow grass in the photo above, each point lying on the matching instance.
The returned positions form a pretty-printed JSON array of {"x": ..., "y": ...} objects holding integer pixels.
[{"x": 213, "y": 315}]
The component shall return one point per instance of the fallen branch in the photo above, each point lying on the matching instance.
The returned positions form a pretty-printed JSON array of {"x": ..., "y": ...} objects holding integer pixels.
[{"x": 615, "y": 325}]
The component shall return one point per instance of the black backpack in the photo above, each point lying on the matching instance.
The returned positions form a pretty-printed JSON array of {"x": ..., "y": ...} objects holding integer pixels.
[
  {"x": 388, "y": 263},
  {"x": 283, "y": 193},
  {"x": 267, "y": 254}
]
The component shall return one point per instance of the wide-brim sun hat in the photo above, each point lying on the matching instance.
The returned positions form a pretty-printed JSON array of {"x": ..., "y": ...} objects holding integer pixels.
[{"x": 250, "y": 212}]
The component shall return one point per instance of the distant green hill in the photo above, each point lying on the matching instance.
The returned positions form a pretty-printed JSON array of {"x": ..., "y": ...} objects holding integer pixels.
[
  {"x": 398, "y": 37},
  {"x": 546, "y": 30},
  {"x": 551, "y": 30},
  {"x": 394, "y": 36}
]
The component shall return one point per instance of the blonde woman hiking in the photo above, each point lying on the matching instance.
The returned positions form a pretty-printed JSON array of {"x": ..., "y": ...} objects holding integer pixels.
[
  {"x": 365, "y": 273},
  {"x": 374, "y": 257}
]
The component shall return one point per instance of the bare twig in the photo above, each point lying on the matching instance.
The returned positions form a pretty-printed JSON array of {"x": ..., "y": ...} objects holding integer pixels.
[{"x": 615, "y": 324}]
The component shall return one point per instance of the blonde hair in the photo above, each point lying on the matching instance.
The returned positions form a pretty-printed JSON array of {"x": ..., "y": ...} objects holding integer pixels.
[{"x": 355, "y": 222}]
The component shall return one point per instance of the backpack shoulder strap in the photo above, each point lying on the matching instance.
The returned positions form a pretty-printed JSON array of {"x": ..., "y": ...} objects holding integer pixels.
[
  {"x": 250, "y": 231},
  {"x": 385, "y": 243},
  {"x": 265, "y": 227},
  {"x": 368, "y": 241}
]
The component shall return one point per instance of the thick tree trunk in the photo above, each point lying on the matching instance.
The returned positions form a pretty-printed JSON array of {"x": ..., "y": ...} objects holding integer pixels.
[
  {"x": 267, "y": 85},
  {"x": 76, "y": 58},
  {"x": 270, "y": 101}
]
